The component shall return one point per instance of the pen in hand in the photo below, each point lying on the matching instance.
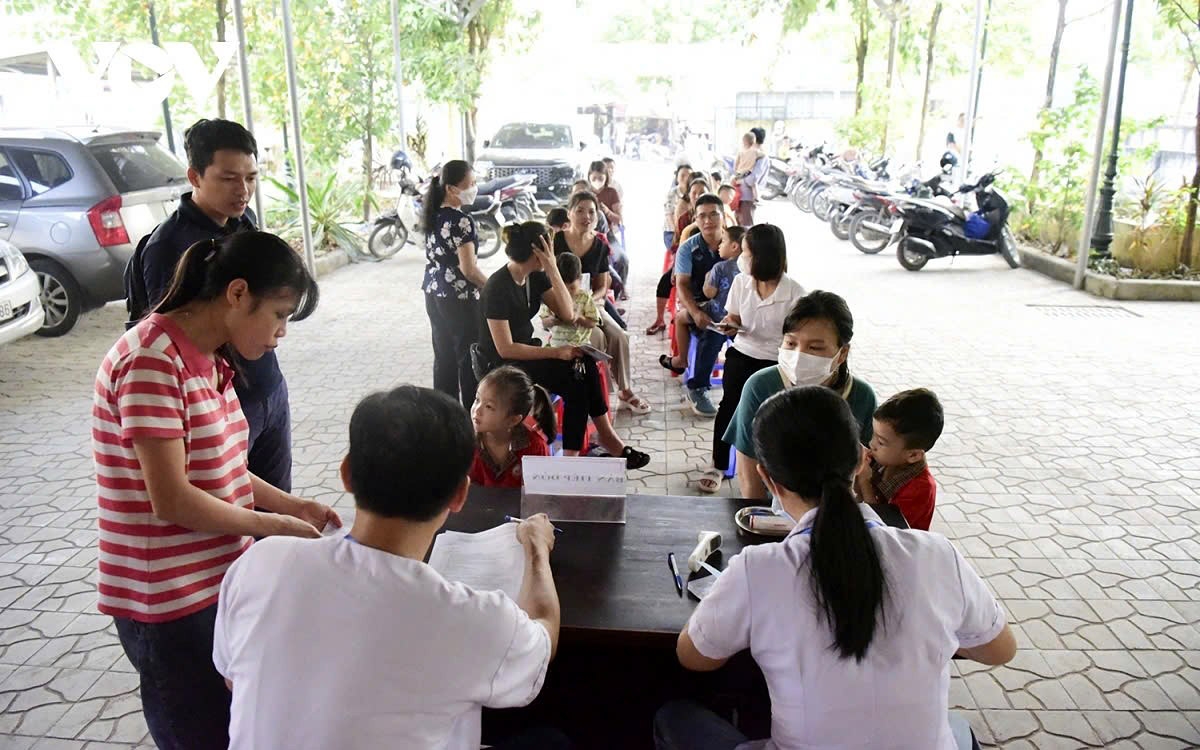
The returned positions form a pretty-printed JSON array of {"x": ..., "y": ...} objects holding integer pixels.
[
  {"x": 675, "y": 572},
  {"x": 514, "y": 519}
]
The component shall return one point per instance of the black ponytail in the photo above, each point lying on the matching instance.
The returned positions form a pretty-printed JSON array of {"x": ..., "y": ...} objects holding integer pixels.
[
  {"x": 453, "y": 172},
  {"x": 267, "y": 264},
  {"x": 807, "y": 441},
  {"x": 543, "y": 413},
  {"x": 521, "y": 238}
]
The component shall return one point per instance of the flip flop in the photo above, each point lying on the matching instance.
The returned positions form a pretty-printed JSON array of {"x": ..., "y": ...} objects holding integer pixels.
[
  {"x": 665, "y": 361},
  {"x": 655, "y": 329},
  {"x": 710, "y": 480}
]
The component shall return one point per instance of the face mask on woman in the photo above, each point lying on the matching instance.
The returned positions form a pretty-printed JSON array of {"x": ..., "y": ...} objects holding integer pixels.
[
  {"x": 469, "y": 195},
  {"x": 597, "y": 185},
  {"x": 802, "y": 368},
  {"x": 743, "y": 264}
]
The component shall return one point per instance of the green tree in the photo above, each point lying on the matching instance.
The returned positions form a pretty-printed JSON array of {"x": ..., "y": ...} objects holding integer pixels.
[
  {"x": 1060, "y": 27},
  {"x": 450, "y": 51},
  {"x": 895, "y": 12},
  {"x": 797, "y": 13},
  {"x": 1061, "y": 136},
  {"x": 1184, "y": 18},
  {"x": 930, "y": 45}
]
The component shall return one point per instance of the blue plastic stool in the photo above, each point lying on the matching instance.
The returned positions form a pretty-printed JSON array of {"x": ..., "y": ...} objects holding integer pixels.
[
  {"x": 718, "y": 372},
  {"x": 556, "y": 403},
  {"x": 732, "y": 470}
]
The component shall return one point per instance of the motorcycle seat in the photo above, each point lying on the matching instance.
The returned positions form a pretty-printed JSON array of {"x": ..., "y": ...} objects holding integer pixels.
[{"x": 492, "y": 186}]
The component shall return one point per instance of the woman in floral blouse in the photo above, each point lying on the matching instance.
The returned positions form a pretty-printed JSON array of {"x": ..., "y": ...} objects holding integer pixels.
[{"x": 452, "y": 279}]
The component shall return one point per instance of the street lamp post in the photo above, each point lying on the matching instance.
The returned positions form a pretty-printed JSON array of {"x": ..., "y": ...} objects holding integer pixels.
[{"x": 1103, "y": 236}]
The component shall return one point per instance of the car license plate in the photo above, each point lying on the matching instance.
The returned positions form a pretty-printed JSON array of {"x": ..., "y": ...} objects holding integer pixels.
[
  {"x": 896, "y": 225},
  {"x": 6, "y": 310}
]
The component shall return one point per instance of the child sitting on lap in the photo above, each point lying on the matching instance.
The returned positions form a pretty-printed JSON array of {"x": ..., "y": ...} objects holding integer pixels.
[
  {"x": 716, "y": 286},
  {"x": 720, "y": 278},
  {"x": 906, "y": 426},
  {"x": 513, "y": 418},
  {"x": 578, "y": 331}
]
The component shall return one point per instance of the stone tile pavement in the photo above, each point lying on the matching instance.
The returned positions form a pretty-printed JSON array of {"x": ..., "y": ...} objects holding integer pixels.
[{"x": 1069, "y": 473}]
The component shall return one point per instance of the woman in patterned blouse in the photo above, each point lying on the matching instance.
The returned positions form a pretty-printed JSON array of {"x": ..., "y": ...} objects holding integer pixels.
[{"x": 452, "y": 279}]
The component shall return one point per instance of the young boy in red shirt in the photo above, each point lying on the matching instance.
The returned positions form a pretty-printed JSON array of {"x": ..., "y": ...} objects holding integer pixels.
[{"x": 906, "y": 426}]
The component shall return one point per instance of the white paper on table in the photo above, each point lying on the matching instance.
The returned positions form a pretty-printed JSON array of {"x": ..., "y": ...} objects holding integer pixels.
[
  {"x": 491, "y": 560},
  {"x": 573, "y": 475}
]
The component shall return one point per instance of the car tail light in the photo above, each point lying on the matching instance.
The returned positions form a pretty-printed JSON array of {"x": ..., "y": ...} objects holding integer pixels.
[{"x": 105, "y": 218}]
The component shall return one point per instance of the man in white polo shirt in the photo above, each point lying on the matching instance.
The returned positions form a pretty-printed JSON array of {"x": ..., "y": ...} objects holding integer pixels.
[{"x": 363, "y": 645}]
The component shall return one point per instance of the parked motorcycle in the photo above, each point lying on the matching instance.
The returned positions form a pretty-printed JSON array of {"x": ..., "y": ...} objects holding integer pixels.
[
  {"x": 518, "y": 198},
  {"x": 394, "y": 228},
  {"x": 403, "y": 224},
  {"x": 929, "y": 229}
]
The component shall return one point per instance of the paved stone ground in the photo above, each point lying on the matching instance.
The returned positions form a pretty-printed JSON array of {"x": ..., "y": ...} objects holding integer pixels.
[{"x": 1069, "y": 471}]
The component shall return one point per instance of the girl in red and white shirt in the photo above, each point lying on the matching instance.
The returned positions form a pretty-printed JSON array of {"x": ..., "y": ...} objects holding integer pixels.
[
  {"x": 176, "y": 498},
  {"x": 513, "y": 418}
]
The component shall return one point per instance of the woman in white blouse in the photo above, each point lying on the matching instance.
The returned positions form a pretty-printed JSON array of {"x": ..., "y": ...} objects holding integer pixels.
[
  {"x": 852, "y": 622},
  {"x": 759, "y": 299}
]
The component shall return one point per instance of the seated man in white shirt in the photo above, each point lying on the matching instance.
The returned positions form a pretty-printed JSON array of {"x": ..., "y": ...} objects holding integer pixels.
[{"x": 352, "y": 641}]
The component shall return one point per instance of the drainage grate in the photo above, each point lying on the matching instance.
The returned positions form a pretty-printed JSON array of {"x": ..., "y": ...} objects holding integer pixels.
[{"x": 1085, "y": 311}]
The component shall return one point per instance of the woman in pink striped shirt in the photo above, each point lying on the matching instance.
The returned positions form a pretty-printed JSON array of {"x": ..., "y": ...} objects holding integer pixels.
[{"x": 176, "y": 498}]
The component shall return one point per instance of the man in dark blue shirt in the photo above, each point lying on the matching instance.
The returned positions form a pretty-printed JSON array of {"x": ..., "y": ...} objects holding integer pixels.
[
  {"x": 694, "y": 259},
  {"x": 223, "y": 171}
]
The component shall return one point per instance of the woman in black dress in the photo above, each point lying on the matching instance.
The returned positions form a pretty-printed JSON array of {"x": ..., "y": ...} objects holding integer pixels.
[
  {"x": 580, "y": 237},
  {"x": 511, "y": 299}
]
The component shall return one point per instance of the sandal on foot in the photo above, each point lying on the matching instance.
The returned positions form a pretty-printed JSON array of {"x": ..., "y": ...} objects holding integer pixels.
[
  {"x": 710, "y": 480},
  {"x": 656, "y": 329},
  {"x": 665, "y": 361},
  {"x": 634, "y": 459},
  {"x": 635, "y": 405}
]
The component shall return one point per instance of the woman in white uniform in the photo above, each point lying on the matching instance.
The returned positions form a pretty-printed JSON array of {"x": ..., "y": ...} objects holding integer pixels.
[{"x": 853, "y": 623}]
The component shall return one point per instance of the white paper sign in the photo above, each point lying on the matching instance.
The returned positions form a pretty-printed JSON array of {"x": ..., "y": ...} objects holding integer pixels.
[{"x": 573, "y": 475}]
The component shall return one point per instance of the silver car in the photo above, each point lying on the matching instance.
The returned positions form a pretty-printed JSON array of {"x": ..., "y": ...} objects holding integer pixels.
[
  {"x": 76, "y": 202},
  {"x": 20, "y": 306}
]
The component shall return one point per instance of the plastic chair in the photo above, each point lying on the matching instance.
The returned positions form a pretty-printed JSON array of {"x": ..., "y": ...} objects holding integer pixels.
[{"x": 717, "y": 377}]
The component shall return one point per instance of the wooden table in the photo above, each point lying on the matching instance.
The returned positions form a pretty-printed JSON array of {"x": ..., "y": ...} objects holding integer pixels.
[
  {"x": 621, "y": 615},
  {"x": 612, "y": 579}
]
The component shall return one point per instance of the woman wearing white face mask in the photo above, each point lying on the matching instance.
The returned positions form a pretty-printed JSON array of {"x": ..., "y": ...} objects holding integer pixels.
[
  {"x": 759, "y": 299},
  {"x": 815, "y": 350},
  {"x": 452, "y": 279}
]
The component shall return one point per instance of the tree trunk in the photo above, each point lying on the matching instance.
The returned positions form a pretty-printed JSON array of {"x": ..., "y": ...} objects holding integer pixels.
[
  {"x": 929, "y": 47},
  {"x": 1189, "y": 227},
  {"x": 221, "y": 15},
  {"x": 895, "y": 19},
  {"x": 368, "y": 140},
  {"x": 470, "y": 122},
  {"x": 476, "y": 47},
  {"x": 861, "y": 43},
  {"x": 1048, "y": 101}
]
